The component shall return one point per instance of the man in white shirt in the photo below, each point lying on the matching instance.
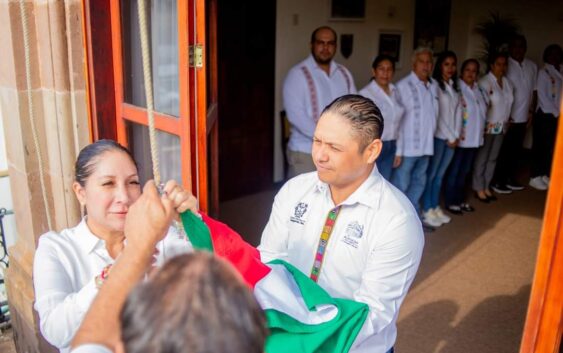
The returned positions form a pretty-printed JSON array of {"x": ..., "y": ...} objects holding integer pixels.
[
  {"x": 309, "y": 87},
  {"x": 415, "y": 144},
  {"x": 354, "y": 233},
  {"x": 522, "y": 74},
  {"x": 549, "y": 88}
]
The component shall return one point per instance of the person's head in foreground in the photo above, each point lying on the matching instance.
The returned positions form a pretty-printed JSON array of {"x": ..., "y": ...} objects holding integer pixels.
[
  {"x": 196, "y": 303},
  {"x": 347, "y": 142}
]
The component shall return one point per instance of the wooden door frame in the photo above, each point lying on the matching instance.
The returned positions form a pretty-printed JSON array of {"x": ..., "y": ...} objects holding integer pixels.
[{"x": 543, "y": 328}]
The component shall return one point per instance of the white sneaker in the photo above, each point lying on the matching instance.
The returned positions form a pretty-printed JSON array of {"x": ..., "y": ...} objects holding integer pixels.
[
  {"x": 441, "y": 215},
  {"x": 430, "y": 218},
  {"x": 545, "y": 180},
  {"x": 537, "y": 183}
]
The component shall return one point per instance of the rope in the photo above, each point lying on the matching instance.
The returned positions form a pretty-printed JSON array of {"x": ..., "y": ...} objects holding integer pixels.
[
  {"x": 23, "y": 15},
  {"x": 148, "y": 89}
]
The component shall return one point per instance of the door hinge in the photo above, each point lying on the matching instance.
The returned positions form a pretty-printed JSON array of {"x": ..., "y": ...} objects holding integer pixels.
[{"x": 196, "y": 56}]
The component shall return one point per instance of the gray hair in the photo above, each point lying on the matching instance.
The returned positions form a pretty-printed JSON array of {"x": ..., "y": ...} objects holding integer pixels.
[
  {"x": 421, "y": 50},
  {"x": 362, "y": 113}
]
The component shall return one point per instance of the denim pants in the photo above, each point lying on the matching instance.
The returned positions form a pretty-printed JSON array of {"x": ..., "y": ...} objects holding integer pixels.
[
  {"x": 385, "y": 160},
  {"x": 410, "y": 178},
  {"x": 454, "y": 189},
  {"x": 439, "y": 163}
]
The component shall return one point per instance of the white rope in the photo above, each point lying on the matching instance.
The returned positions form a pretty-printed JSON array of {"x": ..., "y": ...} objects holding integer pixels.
[
  {"x": 24, "y": 19},
  {"x": 148, "y": 89}
]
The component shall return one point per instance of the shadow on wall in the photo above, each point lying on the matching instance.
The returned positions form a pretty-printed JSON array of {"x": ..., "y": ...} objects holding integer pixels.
[{"x": 494, "y": 326}]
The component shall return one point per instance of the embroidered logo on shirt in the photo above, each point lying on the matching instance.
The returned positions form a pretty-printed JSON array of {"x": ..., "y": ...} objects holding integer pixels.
[
  {"x": 298, "y": 213},
  {"x": 354, "y": 232}
]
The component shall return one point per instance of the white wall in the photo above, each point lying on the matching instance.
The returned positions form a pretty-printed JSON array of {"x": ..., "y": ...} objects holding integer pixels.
[
  {"x": 5, "y": 193},
  {"x": 541, "y": 22}
]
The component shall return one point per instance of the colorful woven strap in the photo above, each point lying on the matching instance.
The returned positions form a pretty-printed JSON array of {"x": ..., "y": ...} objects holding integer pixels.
[{"x": 323, "y": 242}]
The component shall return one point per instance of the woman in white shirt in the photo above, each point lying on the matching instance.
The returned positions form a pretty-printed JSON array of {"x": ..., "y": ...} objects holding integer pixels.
[
  {"x": 70, "y": 266},
  {"x": 547, "y": 113},
  {"x": 499, "y": 92},
  {"x": 474, "y": 113},
  {"x": 386, "y": 96},
  {"x": 446, "y": 137}
]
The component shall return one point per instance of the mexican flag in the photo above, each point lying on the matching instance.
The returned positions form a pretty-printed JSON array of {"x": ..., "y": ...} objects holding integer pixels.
[{"x": 301, "y": 316}]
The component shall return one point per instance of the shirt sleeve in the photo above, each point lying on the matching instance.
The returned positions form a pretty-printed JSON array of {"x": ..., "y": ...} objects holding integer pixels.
[
  {"x": 401, "y": 96},
  {"x": 91, "y": 348},
  {"x": 545, "y": 101},
  {"x": 61, "y": 308},
  {"x": 274, "y": 242},
  {"x": 296, "y": 102},
  {"x": 389, "y": 273},
  {"x": 353, "y": 89}
]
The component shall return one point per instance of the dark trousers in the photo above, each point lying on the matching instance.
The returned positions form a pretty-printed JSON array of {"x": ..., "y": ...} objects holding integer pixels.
[
  {"x": 454, "y": 189},
  {"x": 545, "y": 130},
  {"x": 510, "y": 152}
]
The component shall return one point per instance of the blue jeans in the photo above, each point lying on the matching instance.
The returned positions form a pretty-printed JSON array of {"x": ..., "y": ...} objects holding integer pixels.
[
  {"x": 438, "y": 165},
  {"x": 454, "y": 190},
  {"x": 410, "y": 178},
  {"x": 385, "y": 160}
]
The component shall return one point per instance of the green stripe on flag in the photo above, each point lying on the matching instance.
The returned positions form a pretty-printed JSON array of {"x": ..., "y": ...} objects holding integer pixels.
[
  {"x": 334, "y": 336},
  {"x": 197, "y": 231}
]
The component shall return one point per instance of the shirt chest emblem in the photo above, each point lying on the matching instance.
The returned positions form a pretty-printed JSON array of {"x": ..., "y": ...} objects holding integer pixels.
[
  {"x": 353, "y": 234},
  {"x": 298, "y": 213}
]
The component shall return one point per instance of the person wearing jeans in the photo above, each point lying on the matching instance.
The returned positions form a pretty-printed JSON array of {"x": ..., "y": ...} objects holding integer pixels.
[
  {"x": 415, "y": 142},
  {"x": 446, "y": 139}
]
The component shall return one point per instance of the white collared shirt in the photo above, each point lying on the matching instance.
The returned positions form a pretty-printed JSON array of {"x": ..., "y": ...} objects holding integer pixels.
[
  {"x": 304, "y": 100},
  {"x": 474, "y": 114},
  {"x": 64, "y": 271},
  {"x": 373, "y": 253},
  {"x": 91, "y": 348},
  {"x": 416, "y": 136},
  {"x": 523, "y": 77},
  {"x": 549, "y": 90},
  {"x": 389, "y": 105},
  {"x": 449, "y": 116},
  {"x": 500, "y": 100}
]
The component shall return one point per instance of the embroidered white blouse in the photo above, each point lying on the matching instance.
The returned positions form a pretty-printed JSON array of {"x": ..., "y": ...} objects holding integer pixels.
[
  {"x": 449, "y": 116},
  {"x": 64, "y": 269},
  {"x": 372, "y": 255},
  {"x": 549, "y": 90},
  {"x": 500, "y": 98},
  {"x": 474, "y": 114},
  {"x": 389, "y": 105},
  {"x": 307, "y": 90}
]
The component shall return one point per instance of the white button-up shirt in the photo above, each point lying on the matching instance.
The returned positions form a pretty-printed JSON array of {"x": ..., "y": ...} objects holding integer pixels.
[
  {"x": 389, "y": 105},
  {"x": 474, "y": 114},
  {"x": 64, "y": 271},
  {"x": 449, "y": 116},
  {"x": 500, "y": 100},
  {"x": 420, "y": 100},
  {"x": 549, "y": 90},
  {"x": 523, "y": 77},
  {"x": 307, "y": 90},
  {"x": 372, "y": 255}
]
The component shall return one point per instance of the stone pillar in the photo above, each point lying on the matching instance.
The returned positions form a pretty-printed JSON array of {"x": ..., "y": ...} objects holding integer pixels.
[{"x": 59, "y": 97}]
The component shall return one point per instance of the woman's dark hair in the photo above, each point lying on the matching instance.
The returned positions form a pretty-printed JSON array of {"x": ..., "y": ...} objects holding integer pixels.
[
  {"x": 84, "y": 166},
  {"x": 195, "y": 303},
  {"x": 380, "y": 58},
  {"x": 470, "y": 61},
  {"x": 549, "y": 50},
  {"x": 437, "y": 74},
  {"x": 362, "y": 113},
  {"x": 493, "y": 57}
]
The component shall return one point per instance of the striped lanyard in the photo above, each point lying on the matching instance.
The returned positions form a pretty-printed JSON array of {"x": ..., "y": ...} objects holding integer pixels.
[{"x": 323, "y": 242}]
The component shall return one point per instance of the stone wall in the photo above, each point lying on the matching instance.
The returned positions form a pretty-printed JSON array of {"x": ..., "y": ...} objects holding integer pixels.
[{"x": 59, "y": 97}]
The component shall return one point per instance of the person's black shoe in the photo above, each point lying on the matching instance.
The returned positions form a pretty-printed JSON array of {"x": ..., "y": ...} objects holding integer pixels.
[
  {"x": 514, "y": 186},
  {"x": 492, "y": 197},
  {"x": 466, "y": 207},
  {"x": 501, "y": 189},
  {"x": 454, "y": 209},
  {"x": 484, "y": 200}
]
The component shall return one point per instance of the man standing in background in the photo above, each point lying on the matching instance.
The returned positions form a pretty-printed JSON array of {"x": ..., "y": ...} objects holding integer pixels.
[{"x": 308, "y": 88}]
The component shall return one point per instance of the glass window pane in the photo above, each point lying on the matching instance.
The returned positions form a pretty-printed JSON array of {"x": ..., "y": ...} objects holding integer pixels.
[
  {"x": 162, "y": 20},
  {"x": 169, "y": 157}
]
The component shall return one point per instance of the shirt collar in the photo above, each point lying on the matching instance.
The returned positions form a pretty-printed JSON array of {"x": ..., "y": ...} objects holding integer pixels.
[
  {"x": 87, "y": 241},
  {"x": 368, "y": 193},
  {"x": 415, "y": 79},
  {"x": 316, "y": 66}
]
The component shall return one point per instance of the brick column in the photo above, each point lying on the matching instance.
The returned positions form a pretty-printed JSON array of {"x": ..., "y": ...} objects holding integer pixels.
[{"x": 60, "y": 110}]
